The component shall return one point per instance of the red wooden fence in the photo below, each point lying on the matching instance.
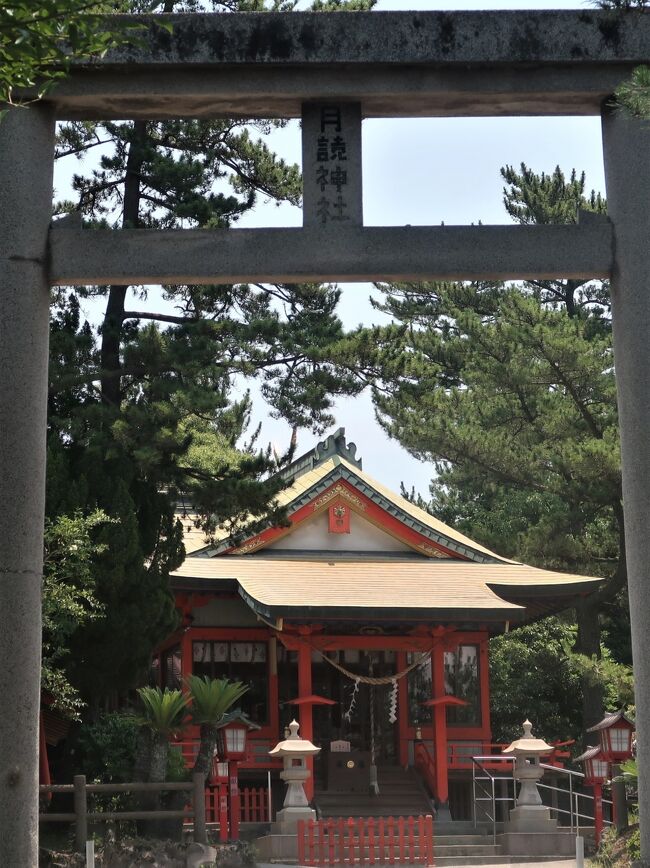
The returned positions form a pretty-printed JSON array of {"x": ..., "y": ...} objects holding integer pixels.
[
  {"x": 366, "y": 840},
  {"x": 254, "y": 804}
]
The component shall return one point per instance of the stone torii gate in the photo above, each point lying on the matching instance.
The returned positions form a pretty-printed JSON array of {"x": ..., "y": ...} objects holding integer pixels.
[{"x": 331, "y": 70}]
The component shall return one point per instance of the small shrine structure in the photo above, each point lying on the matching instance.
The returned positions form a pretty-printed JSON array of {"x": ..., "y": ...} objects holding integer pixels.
[{"x": 369, "y": 618}]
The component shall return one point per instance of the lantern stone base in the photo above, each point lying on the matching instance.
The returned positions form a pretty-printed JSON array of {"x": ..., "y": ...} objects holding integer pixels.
[
  {"x": 531, "y": 818},
  {"x": 556, "y": 843},
  {"x": 286, "y": 820},
  {"x": 282, "y": 843},
  {"x": 277, "y": 848}
]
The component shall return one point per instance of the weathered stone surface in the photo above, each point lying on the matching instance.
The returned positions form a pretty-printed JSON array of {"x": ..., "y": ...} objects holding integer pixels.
[
  {"x": 626, "y": 144},
  {"x": 553, "y": 36},
  {"x": 349, "y": 253},
  {"x": 396, "y": 64},
  {"x": 26, "y": 145}
]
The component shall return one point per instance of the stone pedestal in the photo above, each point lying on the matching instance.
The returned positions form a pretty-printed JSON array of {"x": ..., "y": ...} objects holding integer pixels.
[
  {"x": 556, "y": 842},
  {"x": 286, "y": 821},
  {"x": 531, "y": 818}
]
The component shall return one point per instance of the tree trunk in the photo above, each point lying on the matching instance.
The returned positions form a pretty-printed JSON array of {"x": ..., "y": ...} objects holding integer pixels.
[
  {"x": 142, "y": 755},
  {"x": 158, "y": 758},
  {"x": 157, "y": 773},
  {"x": 206, "y": 749},
  {"x": 114, "y": 316},
  {"x": 588, "y": 643}
]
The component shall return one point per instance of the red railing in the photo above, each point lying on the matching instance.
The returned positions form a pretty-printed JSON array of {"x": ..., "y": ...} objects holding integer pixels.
[
  {"x": 257, "y": 751},
  {"x": 366, "y": 840}
]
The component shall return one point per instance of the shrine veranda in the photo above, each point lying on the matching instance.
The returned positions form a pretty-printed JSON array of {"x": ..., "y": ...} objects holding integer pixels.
[{"x": 331, "y": 70}]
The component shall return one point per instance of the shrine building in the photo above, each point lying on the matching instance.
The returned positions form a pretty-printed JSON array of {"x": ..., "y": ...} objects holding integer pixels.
[{"x": 368, "y": 620}]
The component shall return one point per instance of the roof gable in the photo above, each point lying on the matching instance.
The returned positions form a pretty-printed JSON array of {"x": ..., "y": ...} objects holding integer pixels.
[{"x": 332, "y": 474}]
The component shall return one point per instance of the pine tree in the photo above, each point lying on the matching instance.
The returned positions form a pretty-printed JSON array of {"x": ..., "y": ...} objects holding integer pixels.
[
  {"x": 509, "y": 391},
  {"x": 142, "y": 407}
]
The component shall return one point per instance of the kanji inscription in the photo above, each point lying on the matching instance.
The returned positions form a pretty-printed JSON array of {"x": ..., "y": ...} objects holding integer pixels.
[{"x": 331, "y": 136}]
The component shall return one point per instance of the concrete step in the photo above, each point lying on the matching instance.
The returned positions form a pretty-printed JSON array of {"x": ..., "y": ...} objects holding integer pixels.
[
  {"x": 451, "y": 840},
  {"x": 443, "y": 850},
  {"x": 500, "y": 859}
]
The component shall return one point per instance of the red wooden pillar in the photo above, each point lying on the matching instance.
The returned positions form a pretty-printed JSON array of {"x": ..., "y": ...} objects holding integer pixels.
[
  {"x": 440, "y": 732},
  {"x": 274, "y": 707},
  {"x": 234, "y": 800},
  {"x": 484, "y": 676},
  {"x": 306, "y": 711},
  {"x": 223, "y": 811},
  {"x": 186, "y": 656},
  {"x": 598, "y": 813},
  {"x": 402, "y": 711}
]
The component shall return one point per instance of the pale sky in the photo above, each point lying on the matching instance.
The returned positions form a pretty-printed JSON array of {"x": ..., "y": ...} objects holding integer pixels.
[{"x": 428, "y": 171}]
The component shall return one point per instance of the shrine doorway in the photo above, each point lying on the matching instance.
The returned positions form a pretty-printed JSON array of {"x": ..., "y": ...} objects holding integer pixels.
[{"x": 362, "y": 713}]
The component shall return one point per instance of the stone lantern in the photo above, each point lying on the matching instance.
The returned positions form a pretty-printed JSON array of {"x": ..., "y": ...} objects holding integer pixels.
[
  {"x": 294, "y": 752},
  {"x": 529, "y": 815}
]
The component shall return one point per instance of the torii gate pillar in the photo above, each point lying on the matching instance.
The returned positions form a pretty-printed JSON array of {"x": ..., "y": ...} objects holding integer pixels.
[
  {"x": 26, "y": 151},
  {"x": 626, "y": 145}
]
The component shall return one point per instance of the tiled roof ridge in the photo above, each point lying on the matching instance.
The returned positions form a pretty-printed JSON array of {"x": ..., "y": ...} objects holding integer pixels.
[{"x": 333, "y": 444}]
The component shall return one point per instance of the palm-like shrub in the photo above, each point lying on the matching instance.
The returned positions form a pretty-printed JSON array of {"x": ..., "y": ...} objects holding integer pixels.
[
  {"x": 211, "y": 699},
  {"x": 164, "y": 714}
]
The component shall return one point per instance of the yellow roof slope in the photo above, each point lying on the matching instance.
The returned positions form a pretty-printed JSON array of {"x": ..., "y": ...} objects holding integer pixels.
[{"x": 390, "y": 583}]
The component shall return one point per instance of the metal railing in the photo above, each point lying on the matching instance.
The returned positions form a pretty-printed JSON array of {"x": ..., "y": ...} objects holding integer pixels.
[
  {"x": 574, "y": 798},
  {"x": 484, "y": 783},
  {"x": 484, "y": 789}
]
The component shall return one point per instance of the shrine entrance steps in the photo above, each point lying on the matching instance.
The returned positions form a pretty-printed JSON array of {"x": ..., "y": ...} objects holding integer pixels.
[{"x": 401, "y": 794}]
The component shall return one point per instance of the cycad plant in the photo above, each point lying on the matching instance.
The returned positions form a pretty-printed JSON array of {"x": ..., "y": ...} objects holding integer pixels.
[
  {"x": 211, "y": 699},
  {"x": 164, "y": 715}
]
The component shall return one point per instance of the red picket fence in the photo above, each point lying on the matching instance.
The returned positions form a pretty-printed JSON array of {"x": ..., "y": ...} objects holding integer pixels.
[
  {"x": 253, "y": 801},
  {"x": 366, "y": 840},
  {"x": 254, "y": 805}
]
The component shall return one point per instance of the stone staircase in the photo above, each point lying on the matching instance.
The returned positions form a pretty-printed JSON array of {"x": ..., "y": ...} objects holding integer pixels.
[{"x": 401, "y": 794}]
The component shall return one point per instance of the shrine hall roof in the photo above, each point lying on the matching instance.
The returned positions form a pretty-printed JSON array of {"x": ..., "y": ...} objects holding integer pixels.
[
  {"x": 334, "y": 460},
  {"x": 348, "y": 586},
  {"x": 443, "y": 575}
]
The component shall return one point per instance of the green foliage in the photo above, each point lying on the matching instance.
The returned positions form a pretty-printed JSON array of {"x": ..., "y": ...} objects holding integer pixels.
[
  {"x": 509, "y": 391},
  {"x": 634, "y": 93},
  {"x": 107, "y": 747},
  {"x": 212, "y": 697},
  {"x": 622, "y": 4},
  {"x": 164, "y": 711},
  {"x": 532, "y": 676},
  {"x": 39, "y": 40},
  {"x": 630, "y": 771},
  {"x": 239, "y": 854},
  {"x": 343, "y": 5},
  {"x": 619, "y": 851},
  {"x": 69, "y": 598},
  {"x": 144, "y": 405},
  {"x": 615, "y": 679}
]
